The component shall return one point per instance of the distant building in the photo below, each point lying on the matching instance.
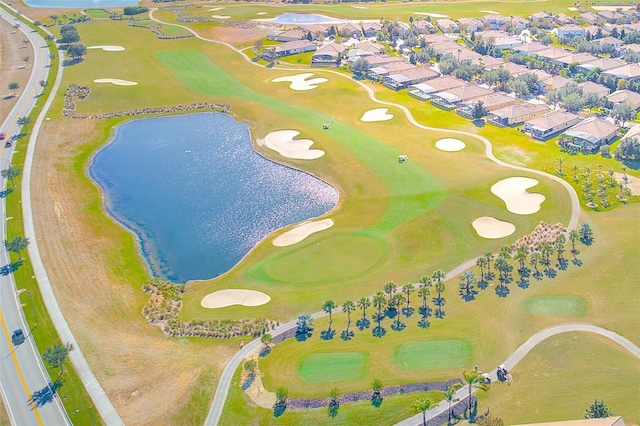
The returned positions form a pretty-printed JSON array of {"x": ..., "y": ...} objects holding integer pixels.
[
  {"x": 370, "y": 29},
  {"x": 329, "y": 55},
  {"x": 403, "y": 79},
  {"x": 630, "y": 72},
  {"x": 447, "y": 26},
  {"x": 289, "y": 35},
  {"x": 550, "y": 124},
  {"x": 571, "y": 30},
  {"x": 293, "y": 48},
  {"x": 591, "y": 87},
  {"x": 424, "y": 26},
  {"x": 423, "y": 91},
  {"x": 449, "y": 99},
  {"x": 516, "y": 114},
  {"x": 625, "y": 96},
  {"x": 470, "y": 25},
  {"x": 592, "y": 132},
  {"x": 495, "y": 21},
  {"x": 491, "y": 101}
]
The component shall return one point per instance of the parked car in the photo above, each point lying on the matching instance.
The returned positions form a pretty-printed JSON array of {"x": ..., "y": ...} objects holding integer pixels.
[
  {"x": 2, "y": 136},
  {"x": 18, "y": 337}
]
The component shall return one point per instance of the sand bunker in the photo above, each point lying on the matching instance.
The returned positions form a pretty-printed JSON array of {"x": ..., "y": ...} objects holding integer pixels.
[
  {"x": 633, "y": 183},
  {"x": 284, "y": 143},
  {"x": 612, "y": 8},
  {"x": 360, "y": 7},
  {"x": 513, "y": 191},
  {"x": 115, "y": 81},
  {"x": 433, "y": 15},
  {"x": 301, "y": 232},
  {"x": 300, "y": 82},
  {"x": 221, "y": 16},
  {"x": 490, "y": 227},
  {"x": 261, "y": 13},
  {"x": 108, "y": 48},
  {"x": 224, "y": 298},
  {"x": 493, "y": 12},
  {"x": 450, "y": 145},
  {"x": 216, "y": 9},
  {"x": 378, "y": 114},
  {"x": 573, "y": 9}
]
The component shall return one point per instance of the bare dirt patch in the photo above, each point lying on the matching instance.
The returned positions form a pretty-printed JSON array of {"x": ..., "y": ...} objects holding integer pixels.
[
  {"x": 235, "y": 36},
  {"x": 147, "y": 375},
  {"x": 12, "y": 51}
]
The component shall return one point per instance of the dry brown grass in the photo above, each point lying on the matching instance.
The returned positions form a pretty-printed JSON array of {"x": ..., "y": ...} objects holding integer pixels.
[
  {"x": 12, "y": 50},
  {"x": 147, "y": 375}
]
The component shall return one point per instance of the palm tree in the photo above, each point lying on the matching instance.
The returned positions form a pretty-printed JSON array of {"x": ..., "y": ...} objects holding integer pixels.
[
  {"x": 407, "y": 289},
  {"x": 347, "y": 308},
  {"x": 521, "y": 255},
  {"x": 423, "y": 292},
  {"x": 487, "y": 257},
  {"x": 379, "y": 302},
  {"x": 474, "y": 381},
  {"x": 422, "y": 405},
  {"x": 481, "y": 262},
  {"x": 450, "y": 397},
  {"x": 559, "y": 246},
  {"x": 390, "y": 288},
  {"x": 534, "y": 260},
  {"x": 363, "y": 304},
  {"x": 574, "y": 236},
  {"x": 328, "y": 307}
]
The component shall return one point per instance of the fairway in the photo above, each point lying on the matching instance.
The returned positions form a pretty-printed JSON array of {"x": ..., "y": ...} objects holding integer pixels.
[
  {"x": 334, "y": 258},
  {"x": 429, "y": 354},
  {"x": 556, "y": 306},
  {"x": 332, "y": 367}
]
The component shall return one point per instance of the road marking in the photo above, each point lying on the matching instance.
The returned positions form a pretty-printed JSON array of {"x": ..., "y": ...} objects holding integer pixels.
[{"x": 15, "y": 362}]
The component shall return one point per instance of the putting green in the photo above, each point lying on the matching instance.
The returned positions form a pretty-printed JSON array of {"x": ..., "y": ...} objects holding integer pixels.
[
  {"x": 429, "y": 354},
  {"x": 556, "y": 306},
  {"x": 332, "y": 367},
  {"x": 333, "y": 258}
]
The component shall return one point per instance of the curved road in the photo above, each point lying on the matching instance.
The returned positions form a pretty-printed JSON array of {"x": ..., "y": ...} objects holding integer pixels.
[
  {"x": 98, "y": 396},
  {"x": 225, "y": 380}
]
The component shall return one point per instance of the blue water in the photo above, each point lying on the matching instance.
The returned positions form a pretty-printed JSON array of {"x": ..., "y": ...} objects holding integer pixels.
[
  {"x": 197, "y": 195},
  {"x": 303, "y": 18},
  {"x": 84, "y": 4}
]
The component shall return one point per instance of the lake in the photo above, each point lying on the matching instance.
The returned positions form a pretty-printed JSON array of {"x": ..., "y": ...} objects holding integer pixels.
[
  {"x": 196, "y": 194},
  {"x": 304, "y": 18}
]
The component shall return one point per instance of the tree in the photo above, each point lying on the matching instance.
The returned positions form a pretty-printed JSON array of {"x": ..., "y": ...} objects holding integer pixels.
[
  {"x": 334, "y": 404},
  {"x": 407, "y": 289},
  {"x": 17, "y": 245},
  {"x": 586, "y": 234},
  {"x": 280, "y": 406},
  {"x": 478, "y": 111},
  {"x": 11, "y": 173},
  {"x": 597, "y": 410},
  {"x": 258, "y": 46},
  {"x": 23, "y": 121},
  {"x": 379, "y": 302},
  {"x": 304, "y": 327},
  {"x": 376, "y": 396},
  {"x": 450, "y": 397},
  {"x": 628, "y": 150},
  {"x": 347, "y": 308},
  {"x": 43, "y": 84},
  {"x": 70, "y": 36},
  {"x": 623, "y": 112},
  {"x": 56, "y": 355},
  {"x": 422, "y": 405},
  {"x": 328, "y": 307},
  {"x": 267, "y": 340},
  {"x": 468, "y": 282},
  {"x": 77, "y": 51},
  {"x": 14, "y": 86},
  {"x": 474, "y": 381},
  {"x": 573, "y": 237},
  {"x": 390, "y": 288},
  {"x": 25, "y": 59}
]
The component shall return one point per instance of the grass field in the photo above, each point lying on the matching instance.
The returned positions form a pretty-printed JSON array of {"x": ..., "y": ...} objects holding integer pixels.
[
  {"x": 431, "y": 354},
  {"x": 556, "y": 306},
  {"x": 333, "y": 367},
  {"x": 412, "y": 234}
]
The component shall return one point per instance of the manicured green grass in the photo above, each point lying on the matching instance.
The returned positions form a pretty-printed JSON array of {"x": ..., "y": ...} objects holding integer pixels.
[
  {"x": 173, "y": 31},
  {"x": 556, "y": 306},
  {"x": 333, "y": 367},
  {"x": 429, "y": 354},
  {"x": 97, "y": 13},
  {"x": 562, "y": 376}
]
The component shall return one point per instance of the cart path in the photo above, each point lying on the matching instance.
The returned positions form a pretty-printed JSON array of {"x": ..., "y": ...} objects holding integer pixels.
[{"x": 225, "y": 379}]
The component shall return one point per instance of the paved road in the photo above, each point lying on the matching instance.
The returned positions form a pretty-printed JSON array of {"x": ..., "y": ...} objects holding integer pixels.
[
  {"x": 520, "y": 353},
  {"x": 21, "y": 369},
  {"x": 225, "y": 380},
  {"x": 101, "y": 401}
]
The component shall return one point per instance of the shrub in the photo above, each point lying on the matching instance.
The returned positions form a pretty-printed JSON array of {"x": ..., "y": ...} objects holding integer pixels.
[{"x": 135, "y": 10}]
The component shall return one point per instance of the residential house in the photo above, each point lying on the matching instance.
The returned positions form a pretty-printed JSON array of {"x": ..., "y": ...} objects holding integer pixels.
[
  {"x": 625, "y": 96},
  {"x": 503, "y": 43},
  {"x": 490, "y": 35},
  {"x": 470, "y": 25},
  {"x": 594, "y": 32},
  {"x": 370, "y": 29},
  {"x": 380, "y": 72},
  {"x": 550, "y": 124},
  {"x": 424, "y": 90},
  {"x": 492, "y": 101},
  {"x": 370, "y": 47},
  {"x": 632, "y": 47},
  {"x": 447, "y": 26},
  {"x": 348, "y": 29},
  {"x": 632, "y": 27},
  {"x": 612, "y": 16},
  {"x": 591, "y": 87},
  {"x": 423, "y": 26},
  {"x": 589, "y": 18},
  {"x": 592, "y": 132},
  {"x": 462, "y": 54},
  {"x": 603, "y": 63},
  {"x": 487, "y": 62},
  {"x": 519, "y": 22},
  {"x": 289, "y": 35},
  {"x": 513, "y": 68},
  {"x": 562, "y": 19},
  {"x": 571, "y": 30},
  {"x": 530, "y": 49},
  {"x": 404, "y": 79},
  {"x": 381, "y": 60},
  {"x": 293, "y": 48},
  {"x": 329, "y": 55},
  {"x": 630, "y": 72},
  {"x": 634, "y": 132},
  {"x": 318, "y": 31},
  {"x": 448, "y": 47},
  {"x": 556, "y": 82},
  {"x": 449, "y": 99},
  {"x": 576, "y": 58},
  {"x": 436, "y": 38},
  {"x": 516, "y": 114},
  {"x": 541, "y": 19},
  {"x": 495, "y": 21},
  {"x": 615, "y": 42},
  {"x": 552, "y": 53}
]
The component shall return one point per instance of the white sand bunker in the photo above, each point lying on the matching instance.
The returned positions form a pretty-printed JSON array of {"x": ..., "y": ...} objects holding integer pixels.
[
  {"x": 224, "y": 298},
  {"x": 216, "y": 8},
  {"x": 450, "y": 145},
  {"x": 513, "y": 191},
  {"x": 378, "y": 114},
  {"x": 284, "y": 143},
  {"x": 493, "y": 12},
  {"x": 301, "y": 232},
  {"x": 115, "y": 81},
  {"x": 433, "y": 15},
  {"x": 108, "y": 48},
  {"x": 490, "y": 227},
  {"x": 300, "y": 82},
  {"x": 221, "y": 16},
  {"x": 360, "y": 7},
  {"x": 261, "y": 13}
]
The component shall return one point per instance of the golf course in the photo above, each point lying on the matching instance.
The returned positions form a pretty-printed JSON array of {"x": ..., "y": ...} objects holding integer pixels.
[{"x": 424, "y": 195}]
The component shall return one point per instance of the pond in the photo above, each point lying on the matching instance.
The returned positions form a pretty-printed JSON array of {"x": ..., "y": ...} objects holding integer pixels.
[
  {"x": 304, "y": 18},
  {"x": 80, "y": 4},
  {"x": 196, "y": 194}
]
